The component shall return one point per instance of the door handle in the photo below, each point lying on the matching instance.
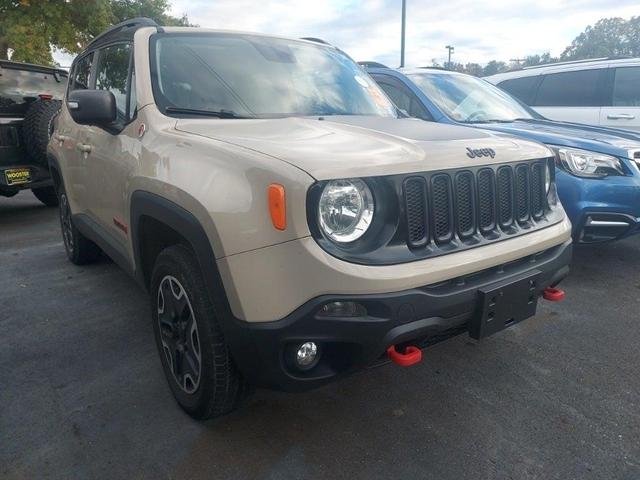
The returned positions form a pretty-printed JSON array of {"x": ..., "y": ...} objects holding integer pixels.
[
  {"x": 83, "y": 147},
  {"x": 621, "y": 116},
  {"x": 60, "y": 138}
]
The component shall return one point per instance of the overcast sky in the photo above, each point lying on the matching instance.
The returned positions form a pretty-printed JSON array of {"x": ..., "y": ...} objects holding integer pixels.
[{"x": 370, "y": 29}]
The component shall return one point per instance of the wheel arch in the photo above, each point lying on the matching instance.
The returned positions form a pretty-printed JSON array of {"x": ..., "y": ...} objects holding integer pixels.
[{"x": 157, "y": 223}]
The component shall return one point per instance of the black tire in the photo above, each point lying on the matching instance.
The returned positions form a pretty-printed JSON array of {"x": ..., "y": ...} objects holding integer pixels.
[
  {"x": 79, "y": 248},
  {"x": 215, "y": 386},
  {"x": 38, "y": 128},
  {"x": 46, "y": 195}
]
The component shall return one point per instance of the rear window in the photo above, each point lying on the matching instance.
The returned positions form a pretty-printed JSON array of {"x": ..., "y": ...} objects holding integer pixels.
[
  {"x": 626, "y": 88},
  {"x": 522, "y": 88},
  {"x": 582, "y": 88},
  {"x": 18, "y": 88}
]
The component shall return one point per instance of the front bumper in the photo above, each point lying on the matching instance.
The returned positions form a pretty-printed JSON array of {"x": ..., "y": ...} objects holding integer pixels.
[
  {"x": 420, "y": 316},
  {"x": 601, "y": 210}
]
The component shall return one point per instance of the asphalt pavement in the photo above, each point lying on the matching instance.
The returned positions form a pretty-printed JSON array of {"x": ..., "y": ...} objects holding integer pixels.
[{"x": 83, "y": 396}]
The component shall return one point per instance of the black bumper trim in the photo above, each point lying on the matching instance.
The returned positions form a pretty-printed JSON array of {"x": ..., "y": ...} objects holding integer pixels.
[{"x": 420, "y": 316}]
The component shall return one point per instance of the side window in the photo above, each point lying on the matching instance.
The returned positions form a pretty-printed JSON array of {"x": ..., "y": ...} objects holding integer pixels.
[
  {"x": 582, "y": 88},
  {"x": 112, "y": 74},
  {"x": 397, "y": 96},
  {"x": 522, "y": 88},
  {"x": 81, "y": 73},
  {"x": 626, "y": 87},
  {"x": 417, "y": 110},
  {"x": 402, "y": 97}
]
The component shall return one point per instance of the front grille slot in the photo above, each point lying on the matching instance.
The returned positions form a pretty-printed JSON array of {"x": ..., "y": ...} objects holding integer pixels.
[
  {"x": 505, "y": 196},
  {"x": 522, "y": 193},
  {"x": 442, "y": 208},
  {"x": 415, "y": 198},
  {"x": 465, "y": 204},
  {"x": 486, "y": 200},
  {"x": 537, "y": 190},
  {"x": 449, "y": 209}
]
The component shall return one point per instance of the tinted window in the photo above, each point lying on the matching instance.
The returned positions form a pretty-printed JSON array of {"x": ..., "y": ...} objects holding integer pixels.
[
  {"x": 403, "y": 97},
  {"x": 18, "y": 88},
  {"x": 522, "y": 88},
  {"x": 253, "y": 75},
  {"x": 81, "y": 71},
  {"x": 397, "y": 96},
  {"x": 571, "y": 89},
  {"x": 626, "y": 88},
  {"x": 113, "y": 75}
]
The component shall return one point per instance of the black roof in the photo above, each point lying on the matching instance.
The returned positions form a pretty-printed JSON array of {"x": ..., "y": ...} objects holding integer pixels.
[
  {"x": 32, "y": 67},
  {"x": 121, "y": 31}
]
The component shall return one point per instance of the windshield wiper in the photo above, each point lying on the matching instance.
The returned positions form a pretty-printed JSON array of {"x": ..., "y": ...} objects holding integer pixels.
[{"x": 206, "y": 113}]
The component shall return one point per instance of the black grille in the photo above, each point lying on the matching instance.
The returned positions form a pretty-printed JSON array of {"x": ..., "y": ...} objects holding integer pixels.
[
  {"x": 474, "y": 205},
  {"x": 442, "y": 208},
  {"x": 465, "y": 204},
  {"x": 486, "y": 200},
  {"x": 415, "y": 197},
  {"x": 522, "y": 192},
  {"x": 505, "y": 196},
  {"x": 537, "y": 190}
]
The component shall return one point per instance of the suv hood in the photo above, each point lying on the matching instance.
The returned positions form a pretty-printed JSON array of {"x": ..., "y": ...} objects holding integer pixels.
[
  {"x": 356, "y": 146},
  {"x": 598, "y": 139}
]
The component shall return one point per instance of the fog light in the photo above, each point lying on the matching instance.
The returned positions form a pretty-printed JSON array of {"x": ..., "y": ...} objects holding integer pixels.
[
  {"x": 343, "y": 309},
  {"x": 307, "y": 355}
]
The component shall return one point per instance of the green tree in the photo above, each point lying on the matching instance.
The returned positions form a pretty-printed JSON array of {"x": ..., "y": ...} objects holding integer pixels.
[
  {"x": 609, "y": 37},
  {"x": 32, "y": 27},
  {"x": 154, "y": 9},
  {"x": 494, "y": 67}
]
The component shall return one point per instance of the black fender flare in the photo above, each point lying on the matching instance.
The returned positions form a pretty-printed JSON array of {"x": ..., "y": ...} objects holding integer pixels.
[{"x": 146, "y": 204}]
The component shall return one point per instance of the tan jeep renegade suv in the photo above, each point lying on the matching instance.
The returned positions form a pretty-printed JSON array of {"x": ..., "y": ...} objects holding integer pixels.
[{"x": 289, "y": 225}]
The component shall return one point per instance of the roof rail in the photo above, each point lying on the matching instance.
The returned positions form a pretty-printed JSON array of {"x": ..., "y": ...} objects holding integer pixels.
[
  {"x": 133, "y": 23},
  {"x": 372, "y": 65},
  {"x": 316, "y": 40},
  {"x": 570, "y": 62}
]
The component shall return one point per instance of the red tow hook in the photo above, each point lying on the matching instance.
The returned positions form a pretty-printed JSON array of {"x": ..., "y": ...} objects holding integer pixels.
[
  {"x": 411, "y": 356},
  {"x": 553, "y": 294}
]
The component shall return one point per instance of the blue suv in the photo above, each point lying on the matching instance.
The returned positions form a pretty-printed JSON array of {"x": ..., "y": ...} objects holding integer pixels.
[{"x": 598, "y": 169}]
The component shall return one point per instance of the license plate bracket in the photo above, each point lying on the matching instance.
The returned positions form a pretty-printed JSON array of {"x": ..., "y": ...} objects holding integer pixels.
[{"x": 504, "y": 304}]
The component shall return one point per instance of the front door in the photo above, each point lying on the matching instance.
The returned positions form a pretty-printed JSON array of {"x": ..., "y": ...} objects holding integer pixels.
[
  {"x": 624, "y": 111},
  {"x": 112, "y": 150}
]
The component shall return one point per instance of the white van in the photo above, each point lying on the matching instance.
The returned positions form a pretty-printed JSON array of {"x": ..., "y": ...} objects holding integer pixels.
[{"x": 596, "y": 92}]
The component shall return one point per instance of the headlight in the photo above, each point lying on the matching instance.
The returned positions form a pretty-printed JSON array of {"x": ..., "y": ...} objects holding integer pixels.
[
  {"x": 345, "y": 209},
  {"x": 584, "y": 163}
]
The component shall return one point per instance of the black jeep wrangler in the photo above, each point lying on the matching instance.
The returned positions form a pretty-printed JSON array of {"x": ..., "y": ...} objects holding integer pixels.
[{"x": 30, "y": 99}]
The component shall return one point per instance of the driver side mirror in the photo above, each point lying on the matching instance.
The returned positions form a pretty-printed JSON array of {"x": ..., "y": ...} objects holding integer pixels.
[{"x": 92, "y": 107}]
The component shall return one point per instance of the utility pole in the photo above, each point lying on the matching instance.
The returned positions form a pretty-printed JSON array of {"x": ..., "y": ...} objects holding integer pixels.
[
  {"x": 451, "y": 49},
  {"x": 404, "y": 24}
]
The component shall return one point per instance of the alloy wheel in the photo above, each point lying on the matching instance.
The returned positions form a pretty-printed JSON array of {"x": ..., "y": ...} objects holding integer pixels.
[{"x": 179, "y": 334}]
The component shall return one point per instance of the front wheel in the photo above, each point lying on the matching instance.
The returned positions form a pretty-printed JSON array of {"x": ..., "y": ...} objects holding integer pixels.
[{"x": 195, "y": 358}]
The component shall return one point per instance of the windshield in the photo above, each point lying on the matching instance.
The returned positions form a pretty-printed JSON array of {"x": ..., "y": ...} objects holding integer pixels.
[
  {"x": 254, "y": 76},
  {"x": 470, "y": 100}
]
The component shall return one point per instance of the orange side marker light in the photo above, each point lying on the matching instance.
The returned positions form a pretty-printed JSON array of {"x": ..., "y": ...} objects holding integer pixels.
[{"x": 277, "y": 206}]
